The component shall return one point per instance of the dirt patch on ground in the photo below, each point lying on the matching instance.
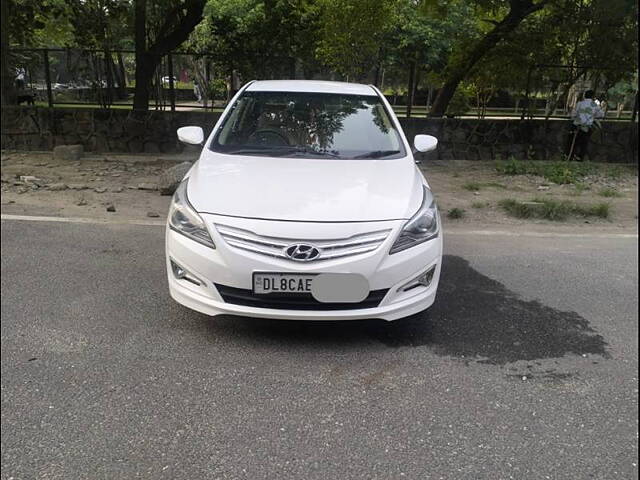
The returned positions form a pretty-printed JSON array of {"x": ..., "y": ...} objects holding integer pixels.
[
  {"x": 36, "y": 184},
  {"x": 477, "y": 188}
]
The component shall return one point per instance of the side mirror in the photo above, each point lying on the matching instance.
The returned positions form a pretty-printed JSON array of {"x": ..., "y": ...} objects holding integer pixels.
[
  {"x": 191, "y": 135},
  {"x": 425, "y": 143}
]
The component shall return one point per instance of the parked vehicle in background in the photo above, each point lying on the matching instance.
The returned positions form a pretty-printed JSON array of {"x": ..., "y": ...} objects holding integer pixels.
[
  {"x": 166, "y": 80},
  {"x": 305, "y": 204}
]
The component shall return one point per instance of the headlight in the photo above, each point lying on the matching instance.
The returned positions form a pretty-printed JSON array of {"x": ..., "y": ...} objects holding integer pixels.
[
  {"x": 185, "y": 220},
  {"x": 421, "y": 227}
]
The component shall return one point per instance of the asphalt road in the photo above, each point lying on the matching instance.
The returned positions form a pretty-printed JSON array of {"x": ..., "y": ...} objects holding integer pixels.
[{"x": 525, "y": 368}]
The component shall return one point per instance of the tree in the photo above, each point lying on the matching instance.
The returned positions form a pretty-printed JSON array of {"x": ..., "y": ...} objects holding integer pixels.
[
  {"x": 459, "y": 66},
  {"x": 351, "y": 34},
  {"x": 103, "y": 25},
  {"x": 590, "y": 42},
  {"x": 29, "y": 23},
  {"x": 421, "y": 41},
  {"x": 158, "y": 31},
  {"x": 8, "y": 95},
  {"x": 258, "y": 38}
]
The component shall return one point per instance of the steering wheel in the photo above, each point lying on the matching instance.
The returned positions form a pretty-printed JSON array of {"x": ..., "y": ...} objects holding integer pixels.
[{"x": 269, "y": 136}]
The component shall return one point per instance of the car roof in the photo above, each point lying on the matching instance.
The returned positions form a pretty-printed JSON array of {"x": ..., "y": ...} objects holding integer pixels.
[{"x": 315, "y": 86}]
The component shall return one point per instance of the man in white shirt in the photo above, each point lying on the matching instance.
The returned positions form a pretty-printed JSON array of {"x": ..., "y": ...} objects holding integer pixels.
[{"x": 585, "y": 116}]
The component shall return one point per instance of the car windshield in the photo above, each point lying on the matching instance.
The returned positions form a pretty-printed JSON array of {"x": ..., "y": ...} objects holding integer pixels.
[{"x": 311, "y": 125}]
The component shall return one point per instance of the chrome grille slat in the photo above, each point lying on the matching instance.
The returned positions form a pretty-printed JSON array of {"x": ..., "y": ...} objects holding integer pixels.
[
  {"x": 348, "y": 252},
  {"x": 254, "y": 248},
  {"x": 242, "y": 235},
  {"x": 375, "y": 240},
  {"x": 329, "y": 249}
]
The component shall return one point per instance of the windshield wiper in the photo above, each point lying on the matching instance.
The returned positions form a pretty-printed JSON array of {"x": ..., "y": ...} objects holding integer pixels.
[
  {"x": 376, "y": 154},
  {"x": 277, "y": 151},
  {"x": 308, "y": 150},
  {"x": 281, "y": 151}
]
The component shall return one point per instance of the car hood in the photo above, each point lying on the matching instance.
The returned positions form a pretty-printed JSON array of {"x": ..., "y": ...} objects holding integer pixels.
[{"x": 302, "y": 189}]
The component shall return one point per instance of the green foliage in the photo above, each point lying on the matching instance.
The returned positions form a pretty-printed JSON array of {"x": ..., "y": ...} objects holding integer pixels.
[
  {"x": 579, "y": 187},
  {"x": 351, "y": 33},
  {"x": 257, "y": 38},
  {"x": 355, "y": 38},
  {"x": 556, "y": 172},
  {"x": 39, "y": 23},
  {"x": 609, "y": 193},
  {"x": 480, "y": 204},
  {"x": 476, "y": 186},
  {"x": 552, "y": 209},
  {"x": 459, "y": 104},
  {"x": 623, "y": 91},
  {"x": 455, "y": 213},
  {"x": 101, "y": 23}
]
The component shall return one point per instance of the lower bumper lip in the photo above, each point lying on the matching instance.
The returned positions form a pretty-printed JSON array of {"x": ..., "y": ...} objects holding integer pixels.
[{"x": 390, "y": 312}]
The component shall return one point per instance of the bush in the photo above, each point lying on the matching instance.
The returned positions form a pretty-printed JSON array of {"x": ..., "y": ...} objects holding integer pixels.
[
  {"x": 609, "y": 193},
  {"x": 557, "y": 172},
  {"x": 553, "y": 209},
  {"x": 455, "y": 213},
  {"x": 459, "y": 104}
]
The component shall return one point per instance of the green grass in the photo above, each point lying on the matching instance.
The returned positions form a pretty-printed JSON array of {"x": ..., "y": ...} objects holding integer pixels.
[
  {"x": 501, "y": 186},
  {"x": 579, "y": 188},
  {"x": 471, "y": 186},
  {"x": 562, "y": 172},
  {"x": 557, "y": 172},
  {"x": 609, "y": 193},
  {"x": 480, "y": 204},
  {"x": 455, "y": 213},
  {"x": 475, "y": 186},
  {"x": 553, "y": 209}
]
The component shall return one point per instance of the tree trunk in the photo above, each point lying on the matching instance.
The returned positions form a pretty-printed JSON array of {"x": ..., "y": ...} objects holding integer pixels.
[
  {"x": 109, "y": 73},
  {"x": 121, "y": 76},
  {"x": 411, "y": 87},
  {"x": 377, "y": 75},
  {"x": 292, "y": 68},
  {"x": 145, "y": 69},
  {"x": 519, "y": 10},
  {"x": 444, "y": 96},
  {"x": 8, "y": 90},
  {"x": 143, "y": 63},
  {"x": 170, "y": 37}
]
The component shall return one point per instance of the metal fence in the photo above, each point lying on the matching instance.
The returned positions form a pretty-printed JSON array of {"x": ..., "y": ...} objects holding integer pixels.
[
  {"x": 552, "y": 90},
  {"x": 190, "y": 81},
  {"x": 54, "y": 76}
]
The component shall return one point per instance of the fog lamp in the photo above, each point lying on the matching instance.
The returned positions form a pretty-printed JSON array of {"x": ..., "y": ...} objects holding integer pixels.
[
  {"x": 182, "y": 274},
  {"x": 422, "y": 280}
]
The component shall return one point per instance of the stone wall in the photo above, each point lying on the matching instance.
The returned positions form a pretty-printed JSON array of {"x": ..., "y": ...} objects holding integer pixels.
[
  {"x": 112, "y": 130},
  {"x": 115, "y": 130},
  {"x": 472, "y": 139}
]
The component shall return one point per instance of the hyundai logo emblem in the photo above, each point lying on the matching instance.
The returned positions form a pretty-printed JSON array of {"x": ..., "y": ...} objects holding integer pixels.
[{"x": 302, "y": 252}]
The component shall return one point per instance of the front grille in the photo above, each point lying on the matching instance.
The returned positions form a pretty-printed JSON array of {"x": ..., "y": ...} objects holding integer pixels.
[
  {"x": 275, "y": 247},
  {"x": 293, "y": 301}
]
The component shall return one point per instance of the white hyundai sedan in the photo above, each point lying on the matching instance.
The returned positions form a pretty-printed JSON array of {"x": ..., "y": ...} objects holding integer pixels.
[{"x": 305, "y": 204}]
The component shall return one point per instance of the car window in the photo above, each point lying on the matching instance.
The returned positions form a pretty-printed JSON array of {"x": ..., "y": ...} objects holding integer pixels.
[{"x": 315, "y": 125}]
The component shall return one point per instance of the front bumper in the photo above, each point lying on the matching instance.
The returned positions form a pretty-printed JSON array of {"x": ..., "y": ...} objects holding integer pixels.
[{"x": 231, "y": 267}]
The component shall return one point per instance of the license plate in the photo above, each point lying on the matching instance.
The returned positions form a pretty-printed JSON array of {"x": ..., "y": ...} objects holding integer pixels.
[{"x": 282, "y": 283}]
